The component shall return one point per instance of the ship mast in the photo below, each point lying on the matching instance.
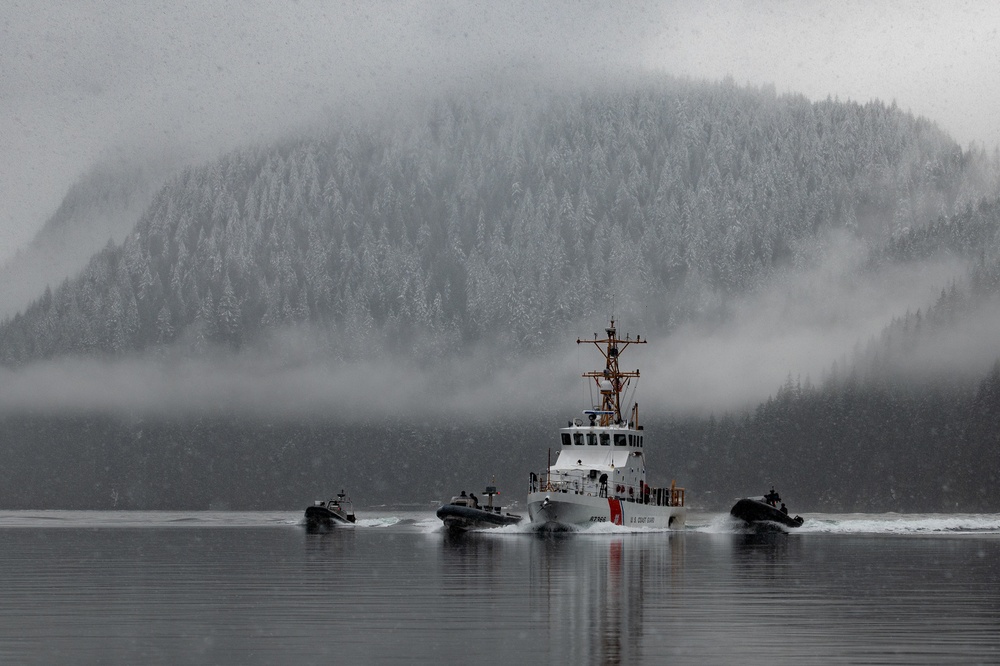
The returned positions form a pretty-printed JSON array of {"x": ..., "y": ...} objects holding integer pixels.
[{"x": 611, "y": 382}]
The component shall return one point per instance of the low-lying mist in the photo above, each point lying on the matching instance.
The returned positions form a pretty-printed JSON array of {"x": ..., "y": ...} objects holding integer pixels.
[
  {"x": 798, "y": 326},
  {"x": 226, "y": 383}
]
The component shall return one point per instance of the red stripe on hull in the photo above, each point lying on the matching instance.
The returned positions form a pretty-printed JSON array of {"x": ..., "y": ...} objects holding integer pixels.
[{"x": 616, "y": 510}]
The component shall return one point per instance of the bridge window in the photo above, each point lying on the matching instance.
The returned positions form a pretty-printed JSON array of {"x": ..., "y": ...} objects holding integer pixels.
[
  {"x": 639, "y": 437},
  {"x": 578, "y": 438},
  {"x": 605, "y": 439},
  {"x": 591, "y": 439},
  {"x": 619, "y": 440},
  {"x": 566, "y": 440}
]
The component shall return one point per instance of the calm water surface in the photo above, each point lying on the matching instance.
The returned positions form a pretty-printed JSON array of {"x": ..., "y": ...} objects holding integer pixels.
[{"x": 255, "y": 588}]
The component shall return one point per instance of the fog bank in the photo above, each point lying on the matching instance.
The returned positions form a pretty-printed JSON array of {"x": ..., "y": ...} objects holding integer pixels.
[{"x": 798, "y": 325}]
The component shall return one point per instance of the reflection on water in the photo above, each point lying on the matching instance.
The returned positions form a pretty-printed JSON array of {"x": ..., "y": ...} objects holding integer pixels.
[
  {"x": 329, "y": 547},
  {"x": 600, "y": 589},
  {"x": 765, "y": 555},
  {"x": 406, "y": 591}
]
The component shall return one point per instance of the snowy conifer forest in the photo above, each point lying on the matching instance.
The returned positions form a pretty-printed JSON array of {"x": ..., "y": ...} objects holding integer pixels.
[{"x": 512, "y": 223}]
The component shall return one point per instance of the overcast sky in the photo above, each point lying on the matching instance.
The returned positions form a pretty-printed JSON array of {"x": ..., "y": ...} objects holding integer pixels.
[{"x": 86, "y": 80}]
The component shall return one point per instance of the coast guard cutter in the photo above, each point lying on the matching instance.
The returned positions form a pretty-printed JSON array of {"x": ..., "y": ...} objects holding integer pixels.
[{"x": 599, "y": 475}]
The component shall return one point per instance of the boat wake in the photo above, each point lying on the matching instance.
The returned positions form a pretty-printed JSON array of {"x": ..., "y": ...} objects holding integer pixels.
[
  {"x": 380, "y": 521},
  {"x": 891, "y": 523},
  {"x": 703, "y": 523},
  {"x": 722, "y": 523},
  {"x": 861, "y": 523}
]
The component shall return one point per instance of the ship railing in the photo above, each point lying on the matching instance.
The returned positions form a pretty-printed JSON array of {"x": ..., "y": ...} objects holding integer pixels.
[
  {"x": 672, "y": 496},
  {"x": 566, "y": 482},
  {"x": 582, "y": 484}
]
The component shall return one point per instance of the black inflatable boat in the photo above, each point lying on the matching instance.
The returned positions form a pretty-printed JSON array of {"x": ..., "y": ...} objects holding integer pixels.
[
  {"x": 757, "y": 511},
  {"x": 322, "y": 515},
  {"x": 464, "y": 512}
]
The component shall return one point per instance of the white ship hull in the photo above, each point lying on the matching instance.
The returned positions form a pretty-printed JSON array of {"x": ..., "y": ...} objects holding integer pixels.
[{"x": 568, "y": 511}]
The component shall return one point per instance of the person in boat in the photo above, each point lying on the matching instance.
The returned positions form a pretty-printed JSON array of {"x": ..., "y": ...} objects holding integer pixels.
[
  {"x": 772, "y": 497},
  {"x": 784, "y": 509},
  {"x": 475, "y": 500}
]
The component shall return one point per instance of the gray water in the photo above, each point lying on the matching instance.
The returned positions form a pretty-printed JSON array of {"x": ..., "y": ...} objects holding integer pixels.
[{"x": 255, "y": 588}]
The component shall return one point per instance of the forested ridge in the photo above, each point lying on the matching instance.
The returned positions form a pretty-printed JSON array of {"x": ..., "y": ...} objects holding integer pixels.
[
  {"x": 500, "y": 220},
  {"x": 491, "y": 219},
  {"x": 871, "y": 436},
  {"x": 883, "y": 429},
  {"x": 103, "y": 204}
]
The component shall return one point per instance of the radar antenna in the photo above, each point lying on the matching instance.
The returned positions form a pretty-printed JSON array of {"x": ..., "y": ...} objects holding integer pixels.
[{"x": 611, "y": 381}]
